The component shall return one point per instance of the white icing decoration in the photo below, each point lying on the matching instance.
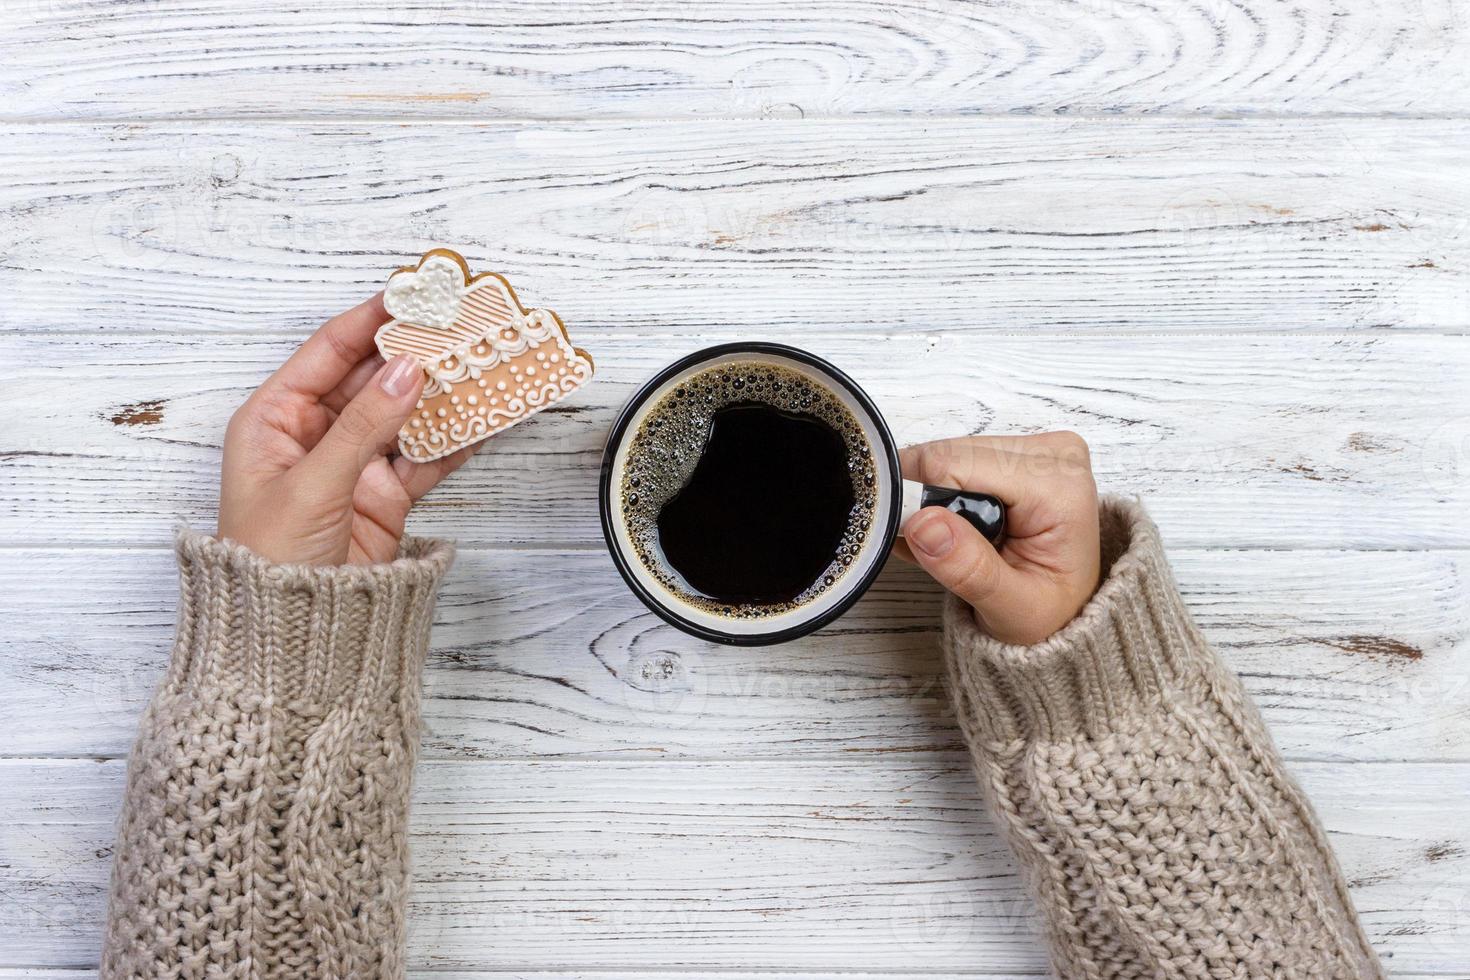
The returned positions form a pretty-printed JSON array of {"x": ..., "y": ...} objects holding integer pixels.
[
  {"x": 429, "y": 295},
  {"x": 431, "y": 445},
  {"x": 466, "y": 361}
]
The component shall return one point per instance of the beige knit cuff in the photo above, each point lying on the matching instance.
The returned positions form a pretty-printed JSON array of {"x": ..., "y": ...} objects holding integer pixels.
[
  {"x": 1130, "y": 643},
  {"x": 294, "y": 633}
]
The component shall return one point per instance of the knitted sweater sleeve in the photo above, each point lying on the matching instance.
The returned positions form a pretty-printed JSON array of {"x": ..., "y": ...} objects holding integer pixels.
[
  {"x": 263, "y": 829},
  {"x": 1149, "y": 809}
]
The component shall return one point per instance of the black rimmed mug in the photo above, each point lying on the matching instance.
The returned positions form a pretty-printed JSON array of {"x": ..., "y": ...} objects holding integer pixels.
[{"x": 896, "y": 500}]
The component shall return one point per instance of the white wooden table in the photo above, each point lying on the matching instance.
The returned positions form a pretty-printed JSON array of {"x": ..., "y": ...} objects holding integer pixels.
[{"x": 1225, "y": 241}]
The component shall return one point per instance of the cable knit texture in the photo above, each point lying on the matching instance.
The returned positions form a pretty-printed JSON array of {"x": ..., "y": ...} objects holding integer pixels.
[
  {"x": 263, "y": 833},
  {"x": 1137, "y": 785}
]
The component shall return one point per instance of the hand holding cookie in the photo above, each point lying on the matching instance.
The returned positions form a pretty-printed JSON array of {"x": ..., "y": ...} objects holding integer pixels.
[{"x": 308, "y": 475}]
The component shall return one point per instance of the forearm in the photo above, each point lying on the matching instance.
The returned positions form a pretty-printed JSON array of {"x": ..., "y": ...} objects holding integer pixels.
[
  {"x": 267, "y": 796},
  {"x": 1137, "y": 785}
]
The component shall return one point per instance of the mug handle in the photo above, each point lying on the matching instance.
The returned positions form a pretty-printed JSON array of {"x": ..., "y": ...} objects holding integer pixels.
[{"x": 984, "y": 513}]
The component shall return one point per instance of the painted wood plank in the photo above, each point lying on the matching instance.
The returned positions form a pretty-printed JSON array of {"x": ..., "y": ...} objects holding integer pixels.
[
  {"x": 721, "y": 229},
  {"x": 642, "y": 58},
  {"x": 1351, "y": 656},
  {"x": 50, "y": 974},
  {"x": 1245, "y": 442},
  {"x": 684, "y": 866}
]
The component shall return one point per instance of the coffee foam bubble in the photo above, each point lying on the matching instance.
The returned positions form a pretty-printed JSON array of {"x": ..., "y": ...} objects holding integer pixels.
[{"x": 664, "y": 452}]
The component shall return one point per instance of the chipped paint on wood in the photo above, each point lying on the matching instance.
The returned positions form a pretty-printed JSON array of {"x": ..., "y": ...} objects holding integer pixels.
[
  {"x": 140, "y": 413},
  {"x": 1375, "y": 646}
]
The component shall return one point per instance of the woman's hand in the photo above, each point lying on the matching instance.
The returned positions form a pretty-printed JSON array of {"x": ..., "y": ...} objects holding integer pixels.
[
  {"x": 1048, "y": 565},
  {"x": 309, "y": 476}
]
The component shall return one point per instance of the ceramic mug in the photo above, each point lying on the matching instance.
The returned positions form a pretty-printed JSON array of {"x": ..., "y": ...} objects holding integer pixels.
[{"x": 896, "y": 499}]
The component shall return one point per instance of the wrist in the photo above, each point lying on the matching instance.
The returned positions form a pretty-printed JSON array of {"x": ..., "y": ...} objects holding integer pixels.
[
  {"x": 1112, "y": 661},
  {"x": 1058, "y": 600}
]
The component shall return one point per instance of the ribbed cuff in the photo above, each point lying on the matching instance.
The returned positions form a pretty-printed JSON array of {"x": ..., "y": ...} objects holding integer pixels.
[
  {"x": 295, "y": 633},
  {"x": 1130, "y": 643}
]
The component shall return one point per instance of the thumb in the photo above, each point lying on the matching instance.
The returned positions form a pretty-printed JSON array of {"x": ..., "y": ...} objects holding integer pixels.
[
  {"x": 366, "y": 424},
  {"x": 959, "y": 558}
]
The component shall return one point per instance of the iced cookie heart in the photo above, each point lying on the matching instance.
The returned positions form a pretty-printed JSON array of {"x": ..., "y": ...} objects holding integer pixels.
[
  {"x": 490, "y": 362},
  {"x": 428, "y": 295}
]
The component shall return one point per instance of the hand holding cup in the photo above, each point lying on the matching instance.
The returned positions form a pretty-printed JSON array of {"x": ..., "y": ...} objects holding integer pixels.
[{"x": 1048, "y": 565}]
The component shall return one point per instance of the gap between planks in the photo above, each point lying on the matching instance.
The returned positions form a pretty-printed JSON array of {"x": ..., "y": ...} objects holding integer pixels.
[
  {"x": 584, "y": 547},
  {"x": 541, "y": 973},
  {"x": 820, "y": 334},
  {"x": 1122, "y": 118},
  {"x": 859, "y": 758}
]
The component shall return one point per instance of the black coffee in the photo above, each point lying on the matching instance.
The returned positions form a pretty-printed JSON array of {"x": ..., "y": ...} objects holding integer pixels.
[{"x": 748, "y": 490}]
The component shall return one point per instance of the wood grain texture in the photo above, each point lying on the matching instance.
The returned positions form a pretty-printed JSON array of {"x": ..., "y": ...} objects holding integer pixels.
[
  {"x": 47, "y": 973},
  {"x": 44, "y": 973},
  {"x": 721, "y": 229},
  {"x": 1351, "y": 656},
  {"x": 624, "y": 58},
  {"x": 1262, "y": 442},
  {"x": 687, "y": 866},
  {"x": 1262, "y": 326}
]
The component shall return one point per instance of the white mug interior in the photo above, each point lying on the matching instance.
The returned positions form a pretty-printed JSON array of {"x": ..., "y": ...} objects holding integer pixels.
[{"x": 856, "y": 576}]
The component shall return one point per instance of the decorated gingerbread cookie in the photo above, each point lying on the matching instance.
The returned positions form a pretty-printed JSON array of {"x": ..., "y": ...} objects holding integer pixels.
[{"x": 490, "y": 363}]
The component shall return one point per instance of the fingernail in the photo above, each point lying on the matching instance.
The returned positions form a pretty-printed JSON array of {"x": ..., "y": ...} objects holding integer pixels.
[
  {"x": 929, "y": 534},
  {"x": 398, "y": 377}
]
